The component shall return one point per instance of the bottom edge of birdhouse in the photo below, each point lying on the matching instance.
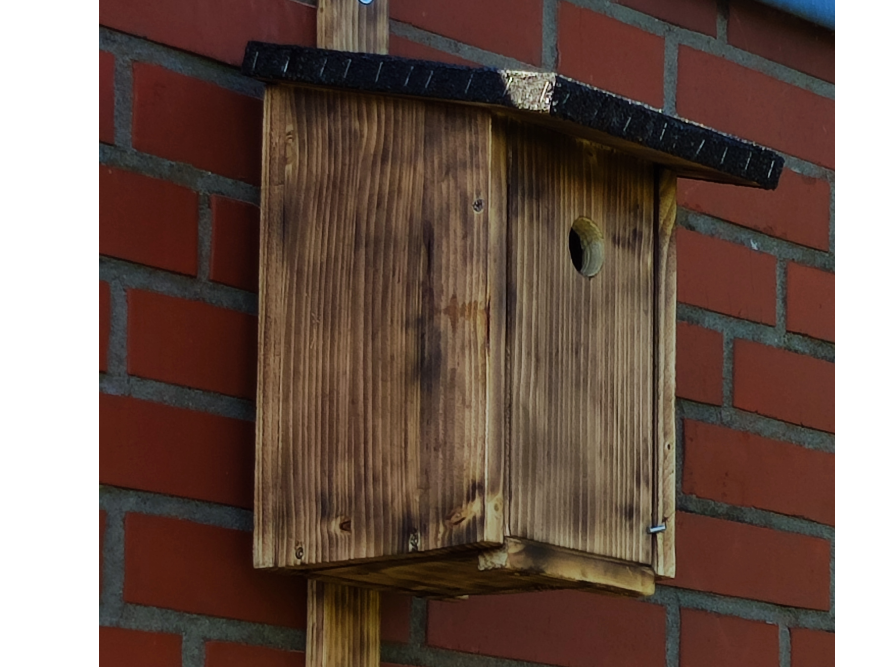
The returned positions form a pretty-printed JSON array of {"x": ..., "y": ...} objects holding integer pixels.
[{"x": 516, "y": 566}]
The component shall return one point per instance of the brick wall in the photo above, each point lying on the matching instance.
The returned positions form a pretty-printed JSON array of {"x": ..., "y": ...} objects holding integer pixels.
[{"x": 179, "y": 155}]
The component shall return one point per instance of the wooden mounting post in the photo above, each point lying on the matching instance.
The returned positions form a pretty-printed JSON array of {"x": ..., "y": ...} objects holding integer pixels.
[
  {"x": 343, "y": 625},
  {"x": 344, "y": 622}
]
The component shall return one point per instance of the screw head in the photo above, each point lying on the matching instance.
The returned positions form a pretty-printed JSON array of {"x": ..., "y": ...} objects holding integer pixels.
[
  {"x": 478, "y": 205},
  {"x": 299, "y": 552},
  {"x": 366, "y": 2}
]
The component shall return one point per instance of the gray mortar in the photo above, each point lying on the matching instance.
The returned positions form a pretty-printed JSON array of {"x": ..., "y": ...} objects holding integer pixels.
[
  {"x": 448, "y": 45},
  {"x": 831, "y": 216},
  {"x": 123, "y": 104},
  {"x": 198, "y": 67},
  {"x": 784, "y": 645},
  {"x": 130, "y": 275},
  {"x": 180, "y": 397},
  {"x": 205, "y": 236},
  {"x": 753, "y": 516},
  {"x": 728, "y": 359},
  {"x": 550, "y": 37},
  {"x": 111, "y": 600},
  {"x": 124, "y": 501},
  {"x": 756, "y": 424},
  {"x": 192, "y": 648},
  {"x": 782, "y": 296},
  {"x": 708, "y": 44},
  {"x": 672, "y": 630},
  {"x": 786, "y": 250},
  {"x": 177, "y": 172},
  {"x": 671, "y": 52},
  {"x": 117, "y": 335},
  {"x": 722, "y": 21}
]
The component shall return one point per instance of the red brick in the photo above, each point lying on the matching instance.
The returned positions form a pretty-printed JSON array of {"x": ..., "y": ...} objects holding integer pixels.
[
  {"x": 196, "y": 122},
  {"x": 508, "y": 27},
  {"x": 752, "y": 105},
  {"x": 395, "y": 617},
  {"x": 784, "y": 385},
  {"x": 206, "y": 570},
  {"x": 235, "y": 253},
  {"x": 563, "y": 628},
  {"x": 104, "y": 323},
  {"x": 698, "y": 15},
  {"x": 781, "y": 37},
  {"x": 218, "y": 653},
  {"x": 103, "y": 516},
  {"x": 218, "y": 29},
  {"x": 611, "y": 55},
  {"x": 798, "y": 210},
  {"x": 810, "y": 308},
  {"x": 149, "y": 446},
  {"x": 405, "y": 48},
  {"x": 751, "y": 562},
  {"x": 812, "y": 648},
  {"x": 148, "y": 221},
  {"x": 747, "y": 470},
  {"x": 725, "y": 277},
  {"x": 106, "y": 97},
  {"x": 124, "y": 647},
  {"x": 192, "y": 344},
  {"x": 707, "y": 639},
  {"x": 699, "y": 364}
]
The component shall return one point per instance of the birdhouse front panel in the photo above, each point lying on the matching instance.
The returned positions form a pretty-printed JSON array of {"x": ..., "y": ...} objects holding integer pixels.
[
  {"x": 467, "y": 312},
  {"x": 580, "y": 348}
]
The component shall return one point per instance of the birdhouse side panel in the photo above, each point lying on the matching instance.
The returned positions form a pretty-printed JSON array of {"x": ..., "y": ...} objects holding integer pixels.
[
  {"x": 580, "y": 333},
  {"x": 374, "y": 355}
]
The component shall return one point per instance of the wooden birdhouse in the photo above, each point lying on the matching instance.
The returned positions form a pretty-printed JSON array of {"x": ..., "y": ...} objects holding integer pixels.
[{"x": 467, "y": 308}]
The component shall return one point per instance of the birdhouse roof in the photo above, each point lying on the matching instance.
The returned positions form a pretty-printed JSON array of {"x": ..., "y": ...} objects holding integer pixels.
[{"x": 691, "y": 150}]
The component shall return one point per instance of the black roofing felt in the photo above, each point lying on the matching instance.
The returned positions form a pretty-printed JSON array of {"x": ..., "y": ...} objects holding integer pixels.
[{"x": 540, "y": 92}]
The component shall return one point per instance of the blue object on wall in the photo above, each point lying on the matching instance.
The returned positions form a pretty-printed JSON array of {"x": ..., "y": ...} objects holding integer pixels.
[{"x": 820, "y": 12}]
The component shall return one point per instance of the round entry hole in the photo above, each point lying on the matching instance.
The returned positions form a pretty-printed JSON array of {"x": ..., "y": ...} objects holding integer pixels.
[{"x": 586, "y": 246}]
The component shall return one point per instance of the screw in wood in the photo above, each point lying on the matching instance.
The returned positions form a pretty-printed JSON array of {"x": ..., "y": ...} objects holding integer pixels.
[
  {"x": 478, "y": 205},
  {"x": 366, "y": 2},
  {"x": 299, "y": 552},
  {"x": 657, "y": 529},
  {"x": 413, "y": 542}
]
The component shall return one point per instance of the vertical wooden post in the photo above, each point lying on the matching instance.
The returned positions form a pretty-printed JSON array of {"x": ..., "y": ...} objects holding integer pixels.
[
  {"x": 351, "y": 25},
  {"x": 665, "y": 445},
  {"x": 344, "y": 622},
  {"x": 344, "y": 625}
]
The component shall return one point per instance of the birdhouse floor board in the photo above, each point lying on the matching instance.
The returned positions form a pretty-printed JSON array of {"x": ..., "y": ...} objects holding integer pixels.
[
  {"x": 691, "y": 149},
  {"x": 517, "y": 565}
]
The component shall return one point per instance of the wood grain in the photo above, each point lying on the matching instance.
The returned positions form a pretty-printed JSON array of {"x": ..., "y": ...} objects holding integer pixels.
[
  {"x": 518, "y": 565},
  {"x": 343, "y": 626},
  {"x": 580, "y": 350},
  {"x": 348, "y": 25},
  {"x": 350, "y": 618},
  {"x": 665, "y": 388},
  {"x": 375, "y": 352}
]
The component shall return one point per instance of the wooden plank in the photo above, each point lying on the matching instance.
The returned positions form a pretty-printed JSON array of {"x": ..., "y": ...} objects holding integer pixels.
[
  {"x": 455, "y": 360},
  {"x": 343, "y": 626},
  {"x": 665, "y": 386},
  {"x": 516, "y": 566},
  {"x": 561, "y": 564},
  {"x": 375, "y": 408},
  {"x": 353, "y": 639},
  {"x": 496, "y": 380},
  {"x": 268, "y": 549},
  {"x": 349, "y": 25},
  {"x": 580, "y": 349}
]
